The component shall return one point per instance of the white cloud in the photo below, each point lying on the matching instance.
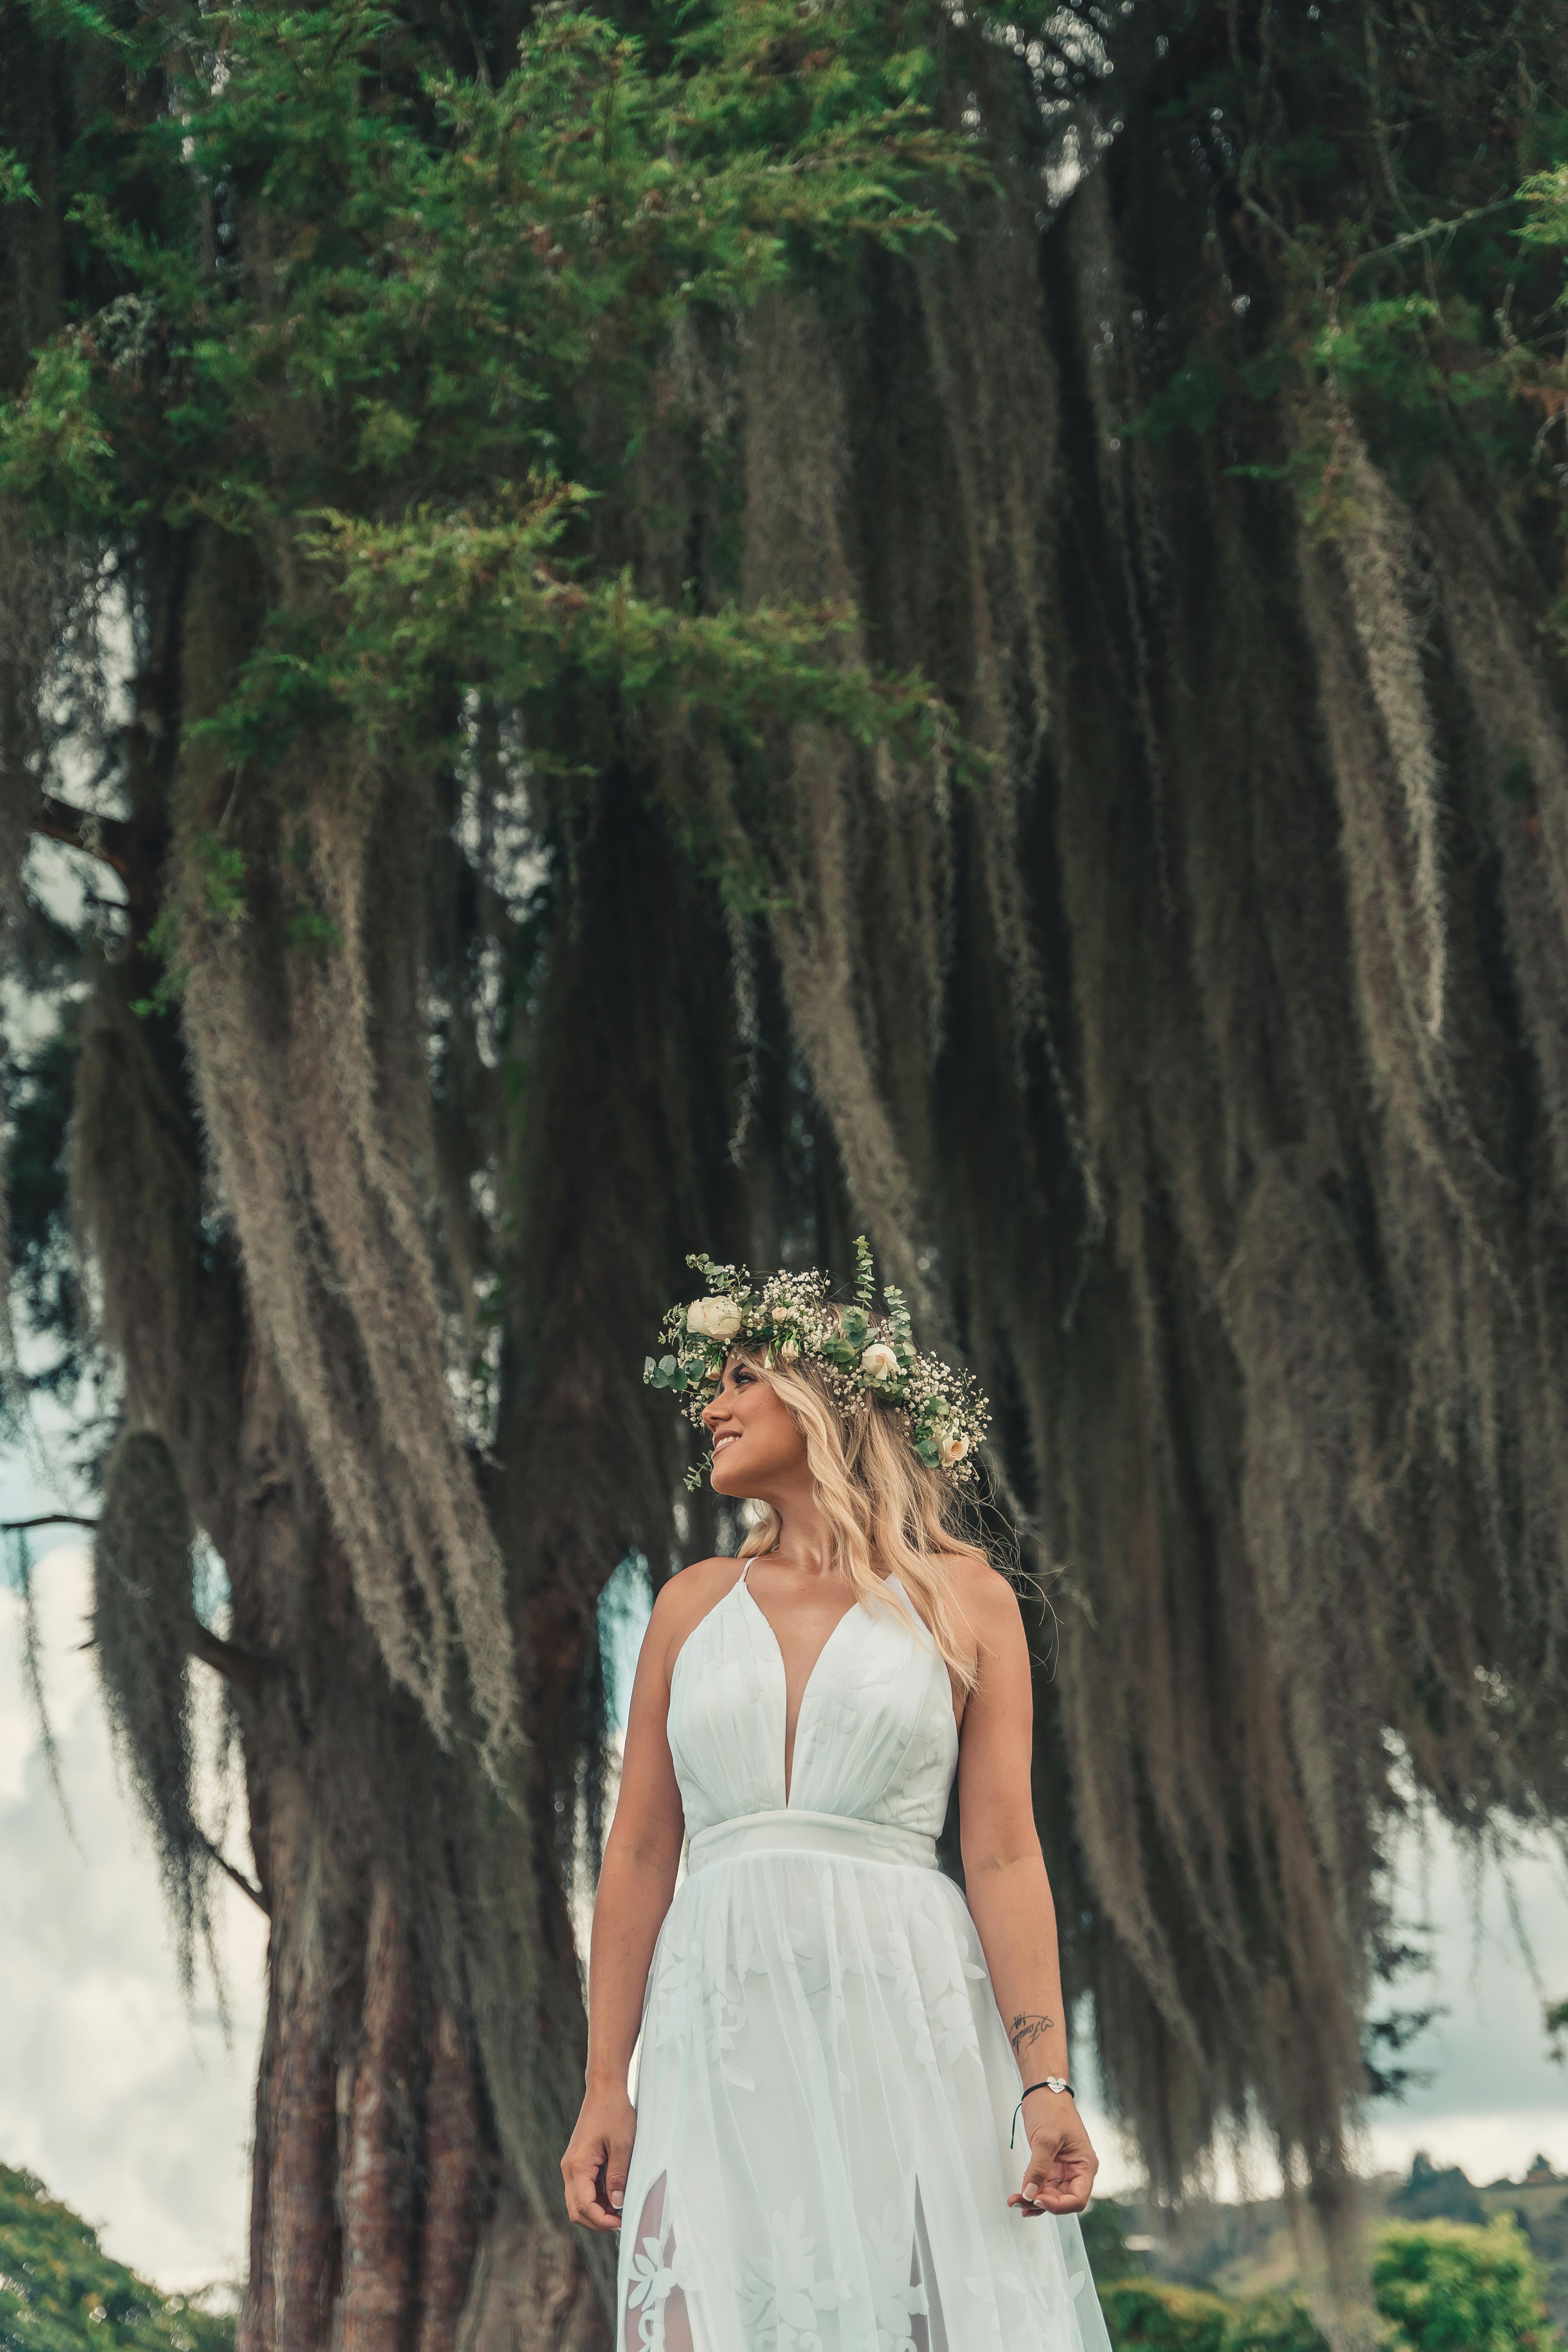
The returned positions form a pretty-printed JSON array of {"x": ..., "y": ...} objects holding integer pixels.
[{"x": 128, "y": 2105}]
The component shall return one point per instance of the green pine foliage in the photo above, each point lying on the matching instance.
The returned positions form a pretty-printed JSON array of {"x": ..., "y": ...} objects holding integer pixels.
[
  {"x": 460, "y": 300},
  {"x": 58, "y": 2289},
  {"x": 1444, "y": 337}
]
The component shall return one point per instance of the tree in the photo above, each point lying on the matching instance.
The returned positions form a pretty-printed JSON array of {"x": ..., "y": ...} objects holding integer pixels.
[
  {"x": 1446, "y": 2286},
  {"x": 1437, "y": 2195},
  {"x": 59, "y": 2290},
  {"x": 742, "y": 624}
]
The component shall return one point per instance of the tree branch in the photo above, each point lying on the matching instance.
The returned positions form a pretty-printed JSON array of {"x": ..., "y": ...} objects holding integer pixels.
[
  {"x": 245, "y": 1884},
  {"x": 105, "y": 838},
  {"x": 242, "y": 1668},
  {"x": 235, "y": 1666},
  {"x": 1420, "y": 235},
  {"x": 46, "y": 1519}
]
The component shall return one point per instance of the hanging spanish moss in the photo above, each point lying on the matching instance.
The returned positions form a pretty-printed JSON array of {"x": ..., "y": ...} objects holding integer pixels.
[
  {"x": 19, "y": 1577},
  {"x": 309, "y": 1067},
  {"x": 142, "y": 1606}
]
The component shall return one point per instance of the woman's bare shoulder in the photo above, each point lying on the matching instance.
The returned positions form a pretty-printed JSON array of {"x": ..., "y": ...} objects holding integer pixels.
[
  {"x": 985, "y": 1595},
  {"x": 683, "y": 1602},
  {"x": 971, "y": 1578}
]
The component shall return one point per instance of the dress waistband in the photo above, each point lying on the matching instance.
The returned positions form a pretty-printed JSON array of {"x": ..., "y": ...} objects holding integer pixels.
[{"x": 837, "y": 1835}]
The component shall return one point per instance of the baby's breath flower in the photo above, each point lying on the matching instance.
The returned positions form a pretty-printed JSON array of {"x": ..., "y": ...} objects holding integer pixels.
[{"x": 792, "y": 1316}]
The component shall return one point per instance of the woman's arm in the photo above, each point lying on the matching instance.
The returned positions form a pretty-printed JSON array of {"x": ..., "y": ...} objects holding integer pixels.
[
  {"x": 1010, "y": 1895},
  {"x": 637, "y": 1881}
]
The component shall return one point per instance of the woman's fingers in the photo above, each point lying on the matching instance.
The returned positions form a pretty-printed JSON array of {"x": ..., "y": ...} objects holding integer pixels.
[
  {"x": 597, "y": 2160},
  {"x": 583, "y": 2169},
  {"x": 617, "y": 2164},
  {"x": 1059, "y": 2176}
]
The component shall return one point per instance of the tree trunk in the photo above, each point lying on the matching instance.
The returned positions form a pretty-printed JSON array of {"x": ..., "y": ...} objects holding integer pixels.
[
  {"x": 382, "y": 2216},
  {"x": 385, "y": 2214}
]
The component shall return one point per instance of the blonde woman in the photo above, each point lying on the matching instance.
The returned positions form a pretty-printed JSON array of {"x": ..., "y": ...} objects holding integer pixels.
[{"x": 838, "y": 2053}]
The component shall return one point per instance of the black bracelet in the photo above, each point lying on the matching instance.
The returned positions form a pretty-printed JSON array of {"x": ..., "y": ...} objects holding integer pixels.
[{"x": 1049, "y": 2084}]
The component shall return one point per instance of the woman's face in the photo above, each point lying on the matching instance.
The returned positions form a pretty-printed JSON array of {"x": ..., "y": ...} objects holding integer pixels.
[{"x": 755, "y": 1439}]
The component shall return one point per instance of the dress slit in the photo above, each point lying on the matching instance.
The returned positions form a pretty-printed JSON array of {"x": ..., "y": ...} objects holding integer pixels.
[
  {"x": 927, "y": 2331},
  {"x": 656, "y": 2319}
]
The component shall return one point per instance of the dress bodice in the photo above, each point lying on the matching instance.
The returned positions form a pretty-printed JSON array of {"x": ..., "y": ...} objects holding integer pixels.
[{"x": 875, "y": 1739}]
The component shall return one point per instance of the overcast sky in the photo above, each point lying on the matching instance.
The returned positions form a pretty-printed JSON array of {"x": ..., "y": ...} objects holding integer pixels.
[
  {"x": 132, "y": 2109},
  {"x": 127, "y": 2104}
]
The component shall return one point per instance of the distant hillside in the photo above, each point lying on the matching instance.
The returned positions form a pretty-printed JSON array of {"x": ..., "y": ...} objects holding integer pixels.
[
  {"x": 59, "y": 2290},
  {"x": 1247, "y": 2249}
]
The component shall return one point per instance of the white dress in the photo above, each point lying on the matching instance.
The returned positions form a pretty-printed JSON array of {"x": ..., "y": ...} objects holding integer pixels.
[{"x": 824, "y": 2087}]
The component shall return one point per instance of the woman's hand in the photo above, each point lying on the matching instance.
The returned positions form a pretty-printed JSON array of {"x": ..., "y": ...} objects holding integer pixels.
[
  {"x": 597, "y": 2159},
  {"x": 1062, "y": 2164}
]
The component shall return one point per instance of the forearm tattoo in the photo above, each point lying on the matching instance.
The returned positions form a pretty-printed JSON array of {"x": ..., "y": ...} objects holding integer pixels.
[{"x": 1025, "y": 2031}]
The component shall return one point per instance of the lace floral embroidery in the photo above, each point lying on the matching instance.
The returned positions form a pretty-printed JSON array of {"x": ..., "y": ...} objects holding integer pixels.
[
  {"x": 784, "y": 2299},
  {"x": 930, "y": 1972},
  {"x": 670, "y": 1995},
  {"x": 656, "y": 2271},
  {"x": 709, "y": 1987},
  {"x": 946, "y": 1969},
  {"x": 898, "y": 2298}
]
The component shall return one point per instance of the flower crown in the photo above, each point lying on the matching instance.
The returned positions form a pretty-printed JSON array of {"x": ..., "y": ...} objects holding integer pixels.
[{"x": 791, "y": 1317}]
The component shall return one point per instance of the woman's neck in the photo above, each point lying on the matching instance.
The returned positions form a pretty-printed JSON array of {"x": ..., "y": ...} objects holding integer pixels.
[{"x": 804, "y": 1541}]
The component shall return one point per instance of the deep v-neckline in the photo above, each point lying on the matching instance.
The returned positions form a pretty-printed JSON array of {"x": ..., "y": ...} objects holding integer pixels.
[{"x": 788, "y": 1763}]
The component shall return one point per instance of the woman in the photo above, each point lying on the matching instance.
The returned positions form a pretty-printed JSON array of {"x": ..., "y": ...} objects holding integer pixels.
[{"x": 819, "y": 2156}]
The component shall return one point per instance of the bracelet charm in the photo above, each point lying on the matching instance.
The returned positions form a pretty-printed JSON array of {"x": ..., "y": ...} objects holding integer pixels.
[{"x": 1047, "y": 2083}]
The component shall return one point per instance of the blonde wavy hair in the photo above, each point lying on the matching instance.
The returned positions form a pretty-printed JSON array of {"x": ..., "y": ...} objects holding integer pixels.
[{"x": 880, "y": 1502}]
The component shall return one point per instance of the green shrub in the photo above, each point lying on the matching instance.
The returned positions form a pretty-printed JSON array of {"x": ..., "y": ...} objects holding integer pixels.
[
  {"x": 59, "y": 2291},
  {"x": 1274, "y": 2323},
  {"x": 1440, "y": 2286},
  {"x": 1450, "y": 2288},
  {"x": 1166, "y": 2319}
]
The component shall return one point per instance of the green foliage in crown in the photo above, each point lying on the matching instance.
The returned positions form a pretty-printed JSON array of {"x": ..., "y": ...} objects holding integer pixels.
[
  {"x": 358, "y": 312},
  {"x": 792, "y": 1318}
]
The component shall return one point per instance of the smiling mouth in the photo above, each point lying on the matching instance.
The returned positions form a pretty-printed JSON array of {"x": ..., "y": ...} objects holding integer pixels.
[{"x": 733, "y": 1439}]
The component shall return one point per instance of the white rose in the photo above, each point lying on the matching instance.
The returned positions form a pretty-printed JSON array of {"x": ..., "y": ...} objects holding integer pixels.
[
  {"x": 788, "y": 1350},
  {"x": 878, "y": 1362},
  {"x": 713, "y": 1318},
  {"x": 951, "y": 1448}
]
